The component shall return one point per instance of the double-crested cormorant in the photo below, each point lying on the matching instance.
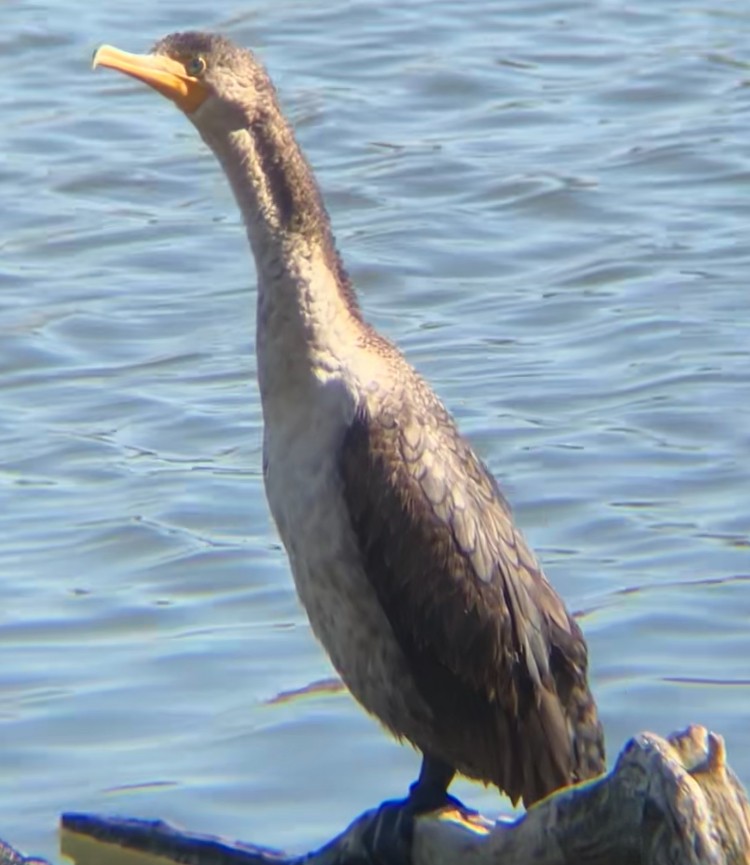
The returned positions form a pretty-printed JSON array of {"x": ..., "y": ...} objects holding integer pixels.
[{"x": 433, "y": 609}]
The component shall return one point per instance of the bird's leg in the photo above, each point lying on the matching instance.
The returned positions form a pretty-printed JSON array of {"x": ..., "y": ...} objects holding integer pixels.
[{"x": 430, "y": 791}]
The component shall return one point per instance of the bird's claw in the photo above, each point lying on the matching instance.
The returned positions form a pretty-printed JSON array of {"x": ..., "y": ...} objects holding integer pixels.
[{"x": 389, "y": 838}]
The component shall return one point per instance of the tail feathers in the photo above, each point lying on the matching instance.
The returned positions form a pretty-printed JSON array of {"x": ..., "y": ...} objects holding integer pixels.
[
  {"x": 561, "y": 745},
  {"x": 588, "y": 737},
  {"x": 546, "y": 750}
]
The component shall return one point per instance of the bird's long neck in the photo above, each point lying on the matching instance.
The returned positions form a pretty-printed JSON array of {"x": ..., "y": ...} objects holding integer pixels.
[{"x": 307, "y": 311}]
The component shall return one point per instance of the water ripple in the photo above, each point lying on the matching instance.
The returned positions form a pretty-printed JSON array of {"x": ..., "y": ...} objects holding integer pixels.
[{"x": 543, "y": 202}]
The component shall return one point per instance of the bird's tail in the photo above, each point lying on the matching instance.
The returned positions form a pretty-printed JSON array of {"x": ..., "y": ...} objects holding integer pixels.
[{"x": 563, "y": 742}]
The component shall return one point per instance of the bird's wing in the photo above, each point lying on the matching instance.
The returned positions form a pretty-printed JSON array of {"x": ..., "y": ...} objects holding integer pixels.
[{"x": 467, "y": 601}]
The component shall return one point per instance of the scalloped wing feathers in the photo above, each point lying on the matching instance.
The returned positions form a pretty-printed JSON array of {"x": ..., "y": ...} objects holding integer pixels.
[{"x": 491, "y": 646}]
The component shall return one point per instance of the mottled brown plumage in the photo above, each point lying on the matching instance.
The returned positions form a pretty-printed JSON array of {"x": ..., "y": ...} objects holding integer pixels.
[
  {"x": 404, "y": 552},
  {"x": 494, "y": 652}
]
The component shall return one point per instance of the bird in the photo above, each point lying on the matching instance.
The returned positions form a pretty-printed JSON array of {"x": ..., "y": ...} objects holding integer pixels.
[{"x": 415, "y": 578}]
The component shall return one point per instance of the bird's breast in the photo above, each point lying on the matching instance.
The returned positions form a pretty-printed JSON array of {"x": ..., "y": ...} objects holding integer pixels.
[{"x": 303, "y": 486}]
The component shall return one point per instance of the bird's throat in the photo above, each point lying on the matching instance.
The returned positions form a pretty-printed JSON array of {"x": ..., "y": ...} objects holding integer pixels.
[{"x": 307, "y": 310}]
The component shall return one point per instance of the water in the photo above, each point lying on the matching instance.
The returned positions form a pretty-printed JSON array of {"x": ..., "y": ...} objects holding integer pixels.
[{"x": 544, "y": 203}]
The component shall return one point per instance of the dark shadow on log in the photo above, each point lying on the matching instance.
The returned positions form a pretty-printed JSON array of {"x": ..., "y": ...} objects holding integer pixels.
[{"x": 666, "y": 801}]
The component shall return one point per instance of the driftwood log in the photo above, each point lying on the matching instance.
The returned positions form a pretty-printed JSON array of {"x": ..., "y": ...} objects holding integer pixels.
[{"x": 665, "y": 801}]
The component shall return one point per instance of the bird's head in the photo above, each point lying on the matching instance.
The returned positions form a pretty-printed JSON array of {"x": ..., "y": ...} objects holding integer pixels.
[{"x": 204, "y": 74}]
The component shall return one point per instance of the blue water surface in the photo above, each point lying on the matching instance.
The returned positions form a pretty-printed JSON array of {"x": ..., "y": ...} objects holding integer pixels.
[{"x": 544, "y": 202}]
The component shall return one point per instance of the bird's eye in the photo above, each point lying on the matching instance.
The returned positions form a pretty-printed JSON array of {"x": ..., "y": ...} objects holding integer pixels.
[{"x": 195, "y": 67}]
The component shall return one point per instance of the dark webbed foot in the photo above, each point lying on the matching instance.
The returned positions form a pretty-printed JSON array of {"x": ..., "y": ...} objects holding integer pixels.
[{"x": 389, "y": 840}]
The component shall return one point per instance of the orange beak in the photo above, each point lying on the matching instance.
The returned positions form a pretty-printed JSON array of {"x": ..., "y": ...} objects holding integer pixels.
[{"x": 162, "y": 73}]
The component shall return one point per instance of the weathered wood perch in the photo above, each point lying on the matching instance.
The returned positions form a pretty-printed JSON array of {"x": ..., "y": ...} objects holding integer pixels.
[{"x": 665, "y": 801}]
